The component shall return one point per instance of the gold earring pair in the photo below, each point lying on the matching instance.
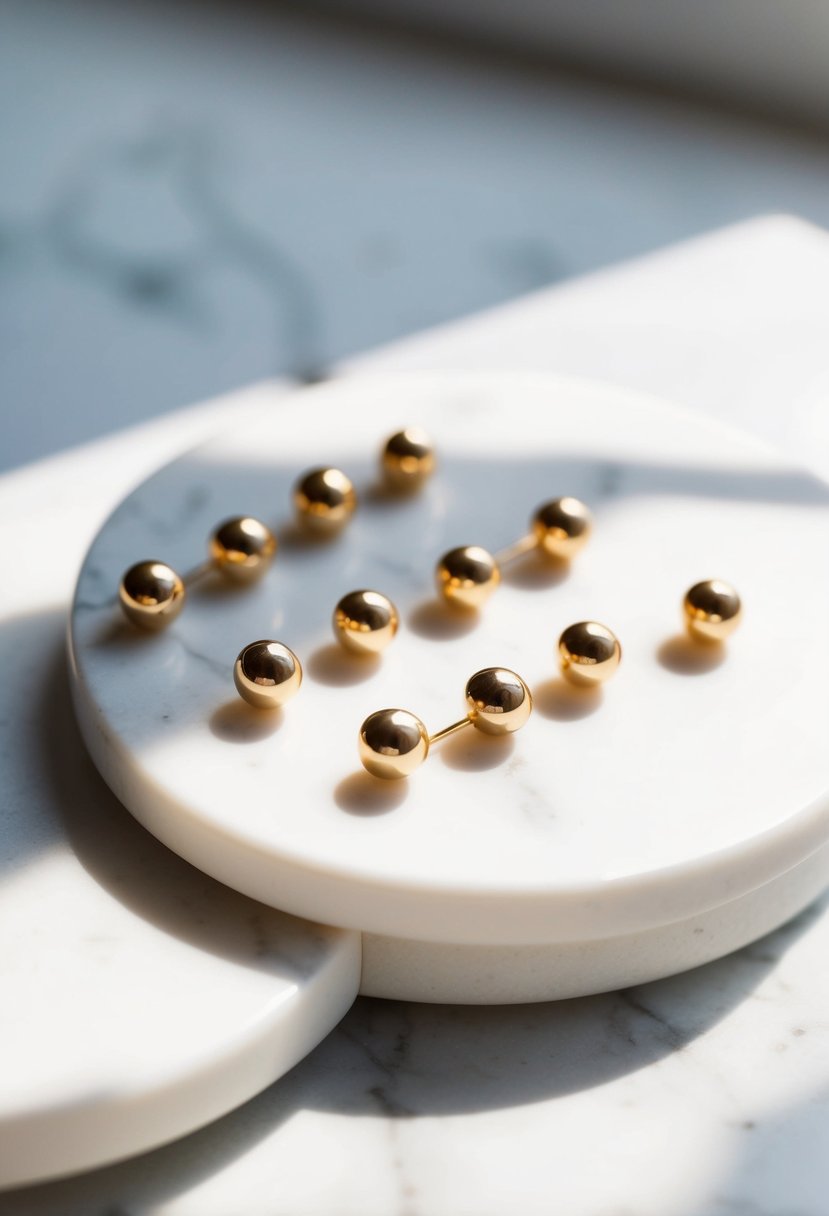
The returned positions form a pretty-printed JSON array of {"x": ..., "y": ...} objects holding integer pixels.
[
  {"x": 325, "y": 498},
  {"x": 393, "y": 743},
  {"x": 267, "y": 673},
  {"x": 590, "y": 653},
  {"x": 152, "y": 593},
  {"x": 468, "y": 575}
]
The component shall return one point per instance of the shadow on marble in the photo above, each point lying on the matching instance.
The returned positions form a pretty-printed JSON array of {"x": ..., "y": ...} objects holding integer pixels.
[
  {"x": 535, "y": 572},
  {"x": 470, "y": 751},
  {"x": 338, "y": 668},
  {"x": 391, "y": 1061},
  {"x": 685, "y": 657},
  {"x": 780, "y": 1167},
  {"x": 54, "y": 798},
  {"x": 381, "y": 497},
  {"x": 363, "y": 795},
  {"x": 235, "y": 722},
  {"x": 564, "y": 702},
  {"x": 438, "y": 622}
]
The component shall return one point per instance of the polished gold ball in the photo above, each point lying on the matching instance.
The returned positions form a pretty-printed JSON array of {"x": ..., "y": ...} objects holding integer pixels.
[
  {"x": 151, "y": 594},
  {"x": 324, "y": 499},
  {"x": 466, "y": 577},
  {"x": 589, "y": 653},
  {"x": 712, "y": 610},
  {"x": 562, "y": 527},
  {"x": 393, "y": 743},
  {"x": 408, "y": 459},
  {"x": 498, "y": 700},
  {"x": 242, "y": 548},
  {"x": 267, "y": 674},
  {"x": 365, "y": 621}
]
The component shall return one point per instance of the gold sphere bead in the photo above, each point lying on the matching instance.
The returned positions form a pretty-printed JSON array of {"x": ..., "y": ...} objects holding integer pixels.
[
  {"x": 267, "y": 674},
  {"x": 562, "y": 526},
  {"x": 712, "y": 610},
  {"x": 151, "y": 594},
  {"x": 408, "y": 459},
  {"x": 324, "y": 499},
  {"x": 365, "y": 621},
  {"x": 499, "y": 701},
  {"x": 466, "y": 577},
  {"x": 589, "y": 653},
  {"x": 242, "y": 548},
  {"x": 393, "y": 743}
]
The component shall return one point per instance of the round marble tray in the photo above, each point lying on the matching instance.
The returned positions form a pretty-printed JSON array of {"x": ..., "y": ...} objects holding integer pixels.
[{"x": 698, "y": 777}]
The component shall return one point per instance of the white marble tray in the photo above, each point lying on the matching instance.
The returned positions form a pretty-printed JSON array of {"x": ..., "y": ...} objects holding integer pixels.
[{"x": 627, "y": 835}]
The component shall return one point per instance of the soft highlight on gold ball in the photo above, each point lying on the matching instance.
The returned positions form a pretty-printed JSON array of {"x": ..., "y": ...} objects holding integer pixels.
[
  {"x": 712, "y": 610},
  {"x": 365, "y": 622},
  {"x": 151, "y": 594},
  {"x": 407, "y": 459},
  {"x": 498, "y": 700},
  {"x": 467, "y": 576},
  {"x": 392, "y": 744},
  {"x": 324, "y": 499},
  {"x": 242, "y": 548},
  {"x": 562, "y": 527},
  {"x": 589, "y": 652},
  {"x": 267, "y": 674}
]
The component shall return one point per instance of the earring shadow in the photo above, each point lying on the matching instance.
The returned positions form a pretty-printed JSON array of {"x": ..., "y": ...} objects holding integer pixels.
[
  {"x": 236, "y": 722},
  {"x": 471, "y": 751},
  {"x": 381, "y": 495},
  {"x": 294, "y": 538},
  {"x": 119, "y": 632},
  {"x": 364, "y": 795},
  {"x": 439, "y": 622},
  {"x": 535, "y": 571},
  {"x": 211, "y": 586},
  {"x": 338, "y": 668},
  {"x": 564, "y": 702},
  {"x": 685, "y": 657}
]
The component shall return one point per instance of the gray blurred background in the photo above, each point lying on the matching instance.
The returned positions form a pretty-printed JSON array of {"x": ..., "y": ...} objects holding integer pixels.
[{"x": 194, "y": 196}]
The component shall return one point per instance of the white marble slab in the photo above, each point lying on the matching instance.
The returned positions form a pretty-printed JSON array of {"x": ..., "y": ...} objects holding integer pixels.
[
  {"x": 705, "y": 1095},
  {"x": 141, "y": 999}
]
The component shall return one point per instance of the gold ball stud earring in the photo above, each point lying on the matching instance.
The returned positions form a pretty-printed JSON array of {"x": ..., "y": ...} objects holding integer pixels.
[
  {"x": 589, "y": 653},
  {"x": 562, "y": 527},
  {"x": 365, "y": 622},
  {"x": 324, "y": 500},
  {"x": 267, "y": 674},
  {"x": 712, "y": 610},
  {"x": 467, "y": 576},
  {"x": 407, "y": 460},
  {"x": 394, "y": 742},
  {"x": 242, "y": 548},
  {"x": 151, "y": 594}
]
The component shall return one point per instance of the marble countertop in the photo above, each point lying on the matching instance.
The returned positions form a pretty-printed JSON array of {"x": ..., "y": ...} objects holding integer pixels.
[
  {"x": 201, "y": 195},
  {"x": 702, "y": 1095}
]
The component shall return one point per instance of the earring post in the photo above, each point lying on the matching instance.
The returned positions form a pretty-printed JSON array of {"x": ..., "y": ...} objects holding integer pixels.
[
  {"x": 198, "y": 573},
  {"x": 450, "y": 730},
  {"x": 525, "y": 545}
]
